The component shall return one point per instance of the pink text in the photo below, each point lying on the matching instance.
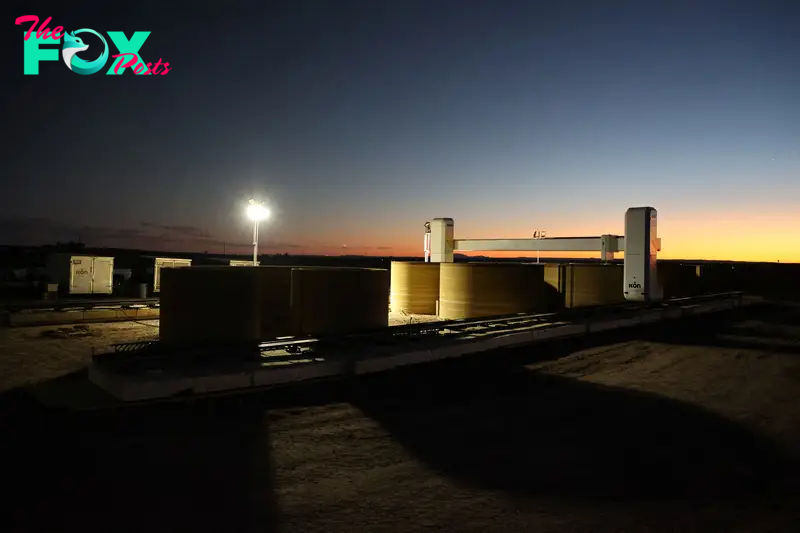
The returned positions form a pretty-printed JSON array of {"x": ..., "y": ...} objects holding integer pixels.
[
  {"x": 134, "y": 58},
  {"x": 43, "y": 32}
]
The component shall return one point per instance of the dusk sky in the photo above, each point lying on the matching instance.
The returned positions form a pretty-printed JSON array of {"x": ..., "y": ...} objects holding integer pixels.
[{"x": 357, "y": 121}]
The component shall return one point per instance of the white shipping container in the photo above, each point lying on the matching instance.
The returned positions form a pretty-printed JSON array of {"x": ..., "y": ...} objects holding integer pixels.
[
  {"x": 82, "y": 274},
  {"x": 166, "y": 262},
  {"x": 240, "y": 263}
]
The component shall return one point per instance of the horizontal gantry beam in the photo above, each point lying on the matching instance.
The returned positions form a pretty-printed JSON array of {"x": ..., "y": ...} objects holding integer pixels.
[{"x": 556, "y": 244}]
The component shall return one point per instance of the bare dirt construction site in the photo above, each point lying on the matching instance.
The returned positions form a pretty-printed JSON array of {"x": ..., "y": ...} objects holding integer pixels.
[{"x": 687, "y": 426}]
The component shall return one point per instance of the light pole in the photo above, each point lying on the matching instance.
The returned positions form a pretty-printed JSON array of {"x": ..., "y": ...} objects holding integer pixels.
[{"x": 256, "y": 212}]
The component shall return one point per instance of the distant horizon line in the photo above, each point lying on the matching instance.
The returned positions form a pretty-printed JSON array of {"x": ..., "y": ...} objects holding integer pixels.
[{"x": 345, "y": 255}]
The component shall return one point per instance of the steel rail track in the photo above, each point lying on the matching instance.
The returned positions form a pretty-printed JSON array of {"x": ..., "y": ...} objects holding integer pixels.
[
  {"x": 147, "y": 373},
  {"x": 156, "y": 354}
]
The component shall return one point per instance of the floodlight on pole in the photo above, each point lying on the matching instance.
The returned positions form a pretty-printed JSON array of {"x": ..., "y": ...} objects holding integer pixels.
[{"x": 256, "y": 212}]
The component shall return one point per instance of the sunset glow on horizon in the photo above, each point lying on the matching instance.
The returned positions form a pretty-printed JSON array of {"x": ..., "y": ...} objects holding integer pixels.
[{"x": 747, "y": 237}]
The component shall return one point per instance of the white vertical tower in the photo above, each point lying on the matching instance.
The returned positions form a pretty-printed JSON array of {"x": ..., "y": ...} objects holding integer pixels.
[
  {"x": 441, "y": 240},
  {"x": 641, "y": 249}
]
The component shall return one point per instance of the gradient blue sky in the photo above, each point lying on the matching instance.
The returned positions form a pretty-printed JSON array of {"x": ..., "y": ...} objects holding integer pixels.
[{"x": 359, "y": 120}]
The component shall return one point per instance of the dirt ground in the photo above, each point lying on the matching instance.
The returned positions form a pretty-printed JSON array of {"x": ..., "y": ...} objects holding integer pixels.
[
  {"x": 683, "y": 427},
  {"x": 30, "y": 355}
]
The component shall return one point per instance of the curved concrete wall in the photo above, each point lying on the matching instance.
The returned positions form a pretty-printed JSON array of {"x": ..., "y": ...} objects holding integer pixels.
[
  {"x": 224, "y": 304},
  {"x": 328, "y": 300},
  {"x": 414, "y": 287},
  {"x": 677, "y": 280},
  {"x": 585, "y": 284},
  {"x": 472, "y": 290}
]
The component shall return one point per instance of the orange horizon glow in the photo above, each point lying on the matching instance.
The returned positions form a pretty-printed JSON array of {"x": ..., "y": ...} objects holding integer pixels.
[
  {"x": 689, "y": 236},
  {"x": 720, "y": 251},
  {"x": 749, "y": 237}
]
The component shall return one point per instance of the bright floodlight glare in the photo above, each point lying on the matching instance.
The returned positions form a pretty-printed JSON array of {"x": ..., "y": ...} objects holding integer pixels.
[{"x": 257, "y": 212}]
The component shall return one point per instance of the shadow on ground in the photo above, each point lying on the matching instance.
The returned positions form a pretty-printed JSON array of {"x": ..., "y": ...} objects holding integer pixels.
[
  {"x": 205, "y": 467},
  {"x": 520, "y": 431},
  {"x": 768, "y": 328},
  {"x": 506, "y": 427}
]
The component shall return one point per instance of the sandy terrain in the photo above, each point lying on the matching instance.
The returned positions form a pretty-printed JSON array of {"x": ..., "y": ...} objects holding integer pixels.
[
  {"x": 31, "y": 355},
  {"x": 684, "y": 428}
]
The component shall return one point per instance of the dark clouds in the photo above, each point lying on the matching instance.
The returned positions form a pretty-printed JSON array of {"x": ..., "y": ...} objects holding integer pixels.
[
  {"x": 148, "y": 236},
  {"x": 188, "y": 231}
]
